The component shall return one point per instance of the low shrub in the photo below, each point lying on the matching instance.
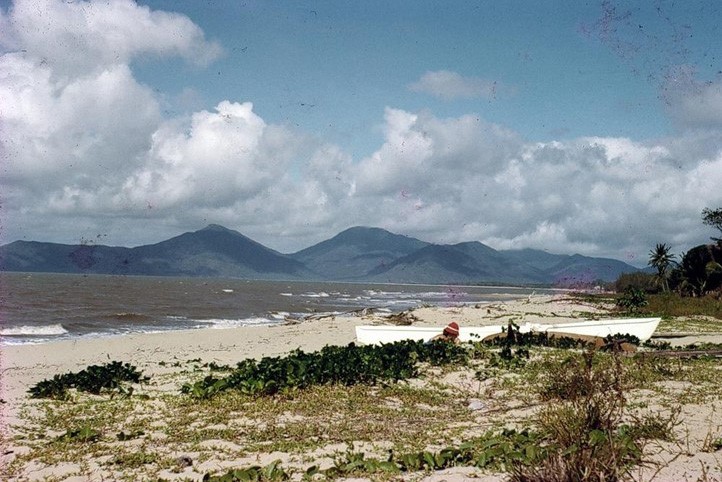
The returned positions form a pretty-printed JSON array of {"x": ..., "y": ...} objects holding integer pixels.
[
  {"x": 632, "y": 300},
  {"x": 582, "y": 429},
  {"x": 645, "y": 282},
  {"x": 93, "y": 379}
]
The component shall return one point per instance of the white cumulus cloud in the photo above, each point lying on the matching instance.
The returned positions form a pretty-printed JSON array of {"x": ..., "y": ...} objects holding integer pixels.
[
  {"x": 452, "y": 85},
  {"x": 696, "y": 105},
  {"x": 86, "y": 150},
  {"x": 81, "y": 36}
]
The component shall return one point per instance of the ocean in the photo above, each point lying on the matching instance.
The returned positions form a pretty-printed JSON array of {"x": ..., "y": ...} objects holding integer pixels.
[{"x": 43, "y": 307}]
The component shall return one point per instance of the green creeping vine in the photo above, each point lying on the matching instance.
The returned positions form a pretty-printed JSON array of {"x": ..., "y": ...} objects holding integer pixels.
[
  {"x": 271, "y": 472},
  {"x": 92, "y": 380},
  {"x": 346, "y": 365},
  {"x": 84, "y": 434},
  {"x": 493, "y": 451}
]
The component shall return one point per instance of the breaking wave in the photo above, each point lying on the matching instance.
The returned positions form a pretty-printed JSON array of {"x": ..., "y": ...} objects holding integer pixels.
[{"x": 46, "y": 330}]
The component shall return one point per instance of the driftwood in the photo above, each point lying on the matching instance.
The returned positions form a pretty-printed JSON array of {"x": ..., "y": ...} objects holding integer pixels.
[
  {"x": 291, "y": 320},
  {"x": 681, "y": 353},
  {"x": 403, "y": 318},
  {"x": 596, "y": 341}
]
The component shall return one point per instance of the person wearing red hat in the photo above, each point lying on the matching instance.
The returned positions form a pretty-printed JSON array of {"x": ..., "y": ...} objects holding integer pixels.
[{"x": 450, "y": 333}]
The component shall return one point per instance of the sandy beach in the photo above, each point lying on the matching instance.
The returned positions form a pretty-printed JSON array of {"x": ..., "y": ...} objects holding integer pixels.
[{"x": 160, "y": 355}]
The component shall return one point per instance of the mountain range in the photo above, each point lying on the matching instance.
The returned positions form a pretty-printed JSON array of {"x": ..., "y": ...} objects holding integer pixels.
[{"x": 357, "y": 254}]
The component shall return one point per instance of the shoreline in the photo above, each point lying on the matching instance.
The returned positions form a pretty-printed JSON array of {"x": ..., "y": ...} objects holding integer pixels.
[
  {"x": 72, "y": 308},
  {"x": 32, "y": 362},
  {"x": 22, "y": 365},
  {"x": 166, "y": 356}
]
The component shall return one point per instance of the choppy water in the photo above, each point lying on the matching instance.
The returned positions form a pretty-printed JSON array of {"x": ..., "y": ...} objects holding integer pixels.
[{"x": 37, "y": 307}]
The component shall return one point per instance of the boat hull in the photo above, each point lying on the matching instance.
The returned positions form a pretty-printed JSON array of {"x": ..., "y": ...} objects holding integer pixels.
[{"x": 642, "y": 328}]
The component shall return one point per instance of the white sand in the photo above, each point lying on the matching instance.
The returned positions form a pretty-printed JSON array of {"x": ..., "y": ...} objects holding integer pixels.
[{"x": 23, "y": 366}]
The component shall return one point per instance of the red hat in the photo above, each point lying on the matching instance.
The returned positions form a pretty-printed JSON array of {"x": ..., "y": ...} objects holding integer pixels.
[{"x": 452, "y": 329}]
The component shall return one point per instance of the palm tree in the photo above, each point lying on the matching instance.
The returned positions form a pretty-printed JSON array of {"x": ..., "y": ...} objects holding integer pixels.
[{"x": 661, "y": 260}]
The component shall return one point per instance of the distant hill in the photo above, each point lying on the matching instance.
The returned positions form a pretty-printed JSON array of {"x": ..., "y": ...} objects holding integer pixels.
[
  {"x": 533, "y": 257},
  {"x": 34, "y": 256},
  {"x": 356, "y": 251},
  {"x": 570, "y": 270},
  {"x": 460, "y": 263},
  {"x": 356, "y": 254},
  {"x": 213, "y": 252}
]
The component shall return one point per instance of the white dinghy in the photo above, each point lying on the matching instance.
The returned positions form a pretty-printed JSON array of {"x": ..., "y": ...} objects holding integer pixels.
[{"x": 642, "y": 328}]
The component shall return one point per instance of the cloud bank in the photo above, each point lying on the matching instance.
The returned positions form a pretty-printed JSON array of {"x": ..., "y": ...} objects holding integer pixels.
[{"x": 86, "y": 151}]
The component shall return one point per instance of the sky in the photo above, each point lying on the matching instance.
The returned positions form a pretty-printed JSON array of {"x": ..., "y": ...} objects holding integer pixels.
[{"x": 572, "y": 127}]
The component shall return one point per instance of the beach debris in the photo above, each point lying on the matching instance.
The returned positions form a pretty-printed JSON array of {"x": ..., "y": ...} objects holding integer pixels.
[
  {"x": 476, "y": 404},
  {"x": 123, "y": 437},
  {"x": 401, "y": 319},
  {"x": 292, "y": 320},
  {"x": 683, "y": 353}
]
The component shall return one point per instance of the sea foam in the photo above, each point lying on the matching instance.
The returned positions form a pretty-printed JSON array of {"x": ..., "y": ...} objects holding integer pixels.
[{"x": 46, "y": 330}]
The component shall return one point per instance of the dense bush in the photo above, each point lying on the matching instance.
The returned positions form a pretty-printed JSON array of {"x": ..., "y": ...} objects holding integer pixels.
[
  {"x": 347, "y": 365},
  {"x": 93, "y": 379},
  {"x": 700, "y": 271},
  {"x": 641, "y": 281},
  {"x": 632, "y": 300}
]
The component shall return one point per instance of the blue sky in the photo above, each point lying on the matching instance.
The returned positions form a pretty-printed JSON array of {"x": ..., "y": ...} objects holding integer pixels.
[
  {"x": 590, "y": 127},
  {"x": 555, "y": 68},
  {"x": 332, "y": 67}
]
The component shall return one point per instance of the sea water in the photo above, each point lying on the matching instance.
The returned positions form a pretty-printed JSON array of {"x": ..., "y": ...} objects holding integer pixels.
[{"x": 42, "y": 307}]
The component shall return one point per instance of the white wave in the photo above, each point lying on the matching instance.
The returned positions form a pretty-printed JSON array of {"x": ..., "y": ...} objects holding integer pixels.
[
  {"x": 280, "y": 315},
  {"x": 286, "y": 294},
  {"x": 227, "y": 290},
  {"x": 425, "y": 294},
  {"x": 221, "y": 323},
  {"x": 321, "y": 294},
  {"x": 46, "y": 330}
]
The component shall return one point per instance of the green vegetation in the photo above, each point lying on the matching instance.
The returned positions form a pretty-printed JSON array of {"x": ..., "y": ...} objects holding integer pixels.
[
  {"x": 497, "y": 451},
  {"x": 667, "y": 305},
  {"x": 691, "y": 287},
  {"x": 661, "y": 259},
  {"x": 271, "y": 472},
  {"x": 671, "y": 305},
  {"x": 583, "y": 427},
  {"x": 713, "y": 217},
  {"x": 584, "y": 421},
  {"x": 632, "y": 300},
  {"x": 94, "y": 379},
  {"x": 639, "y": 281},
  {"x": 581, "y": 436},
  {"x": 349, "y": 365},
  {"x": 700, "y": 271},
  {"x": 554, "y": 409}
]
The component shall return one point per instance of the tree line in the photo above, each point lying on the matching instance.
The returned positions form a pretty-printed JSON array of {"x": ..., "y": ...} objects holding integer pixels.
[{"x": 696, "y": 273}]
